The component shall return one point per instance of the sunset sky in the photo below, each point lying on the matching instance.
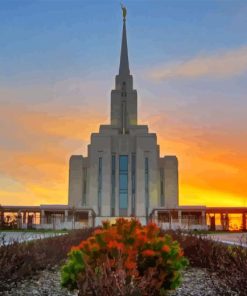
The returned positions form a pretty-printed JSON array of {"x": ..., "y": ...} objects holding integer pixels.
[{"x": 58, "y": 60}]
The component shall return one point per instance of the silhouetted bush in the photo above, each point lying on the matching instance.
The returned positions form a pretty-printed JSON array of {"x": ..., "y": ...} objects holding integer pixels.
[
  {"x": 227, "y": 264},
  {"x": 20, "y": 260}
]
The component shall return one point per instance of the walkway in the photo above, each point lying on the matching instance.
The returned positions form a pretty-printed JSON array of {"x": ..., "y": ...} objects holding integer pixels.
[
  {"x": 230, "y": 238},
  {"x": 9, "y": 237}
]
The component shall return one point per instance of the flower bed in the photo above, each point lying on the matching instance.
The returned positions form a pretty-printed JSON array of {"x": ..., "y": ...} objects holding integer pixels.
[
  {"x": 226, "y": 264},
  {"x": 125, "y": 258},
  {"x": 22, "y": 260}
]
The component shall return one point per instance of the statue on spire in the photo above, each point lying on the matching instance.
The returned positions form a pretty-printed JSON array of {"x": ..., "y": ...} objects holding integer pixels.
[{"x": 124, "y": 11}]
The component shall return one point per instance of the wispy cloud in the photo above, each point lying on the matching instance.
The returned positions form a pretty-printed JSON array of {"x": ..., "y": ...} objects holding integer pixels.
[
  {"x": 220, "y": 65},
  {"x": 41, "y": 126},
  {"x": 37, "y": 141},
  {"x": 35, "y": 147},
  {"x": 209, "y": 160}
]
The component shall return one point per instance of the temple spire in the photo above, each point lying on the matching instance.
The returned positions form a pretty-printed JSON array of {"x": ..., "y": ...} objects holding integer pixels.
[{"x": 124, "y": 60}]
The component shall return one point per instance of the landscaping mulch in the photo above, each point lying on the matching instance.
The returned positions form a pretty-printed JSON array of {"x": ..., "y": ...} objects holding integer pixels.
[
  {"x": 199, "y": 282},
  {"x": 28, "y": 268},
  {"x": 23, "y": 260},
  {"x": 45, "y": 283},
  {"x": 196, "y": 282}
]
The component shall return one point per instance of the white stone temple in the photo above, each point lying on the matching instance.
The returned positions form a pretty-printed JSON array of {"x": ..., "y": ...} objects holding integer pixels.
[{"x": 123, "y": 173}]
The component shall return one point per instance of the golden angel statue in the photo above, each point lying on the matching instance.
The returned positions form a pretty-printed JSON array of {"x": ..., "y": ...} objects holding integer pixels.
[{"x": 124, "y": 11}]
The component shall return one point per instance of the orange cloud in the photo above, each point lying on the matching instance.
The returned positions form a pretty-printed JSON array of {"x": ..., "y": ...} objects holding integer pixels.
[
  {"x": 35, "y": 147},
  {"x": 221, "y": 65},
  {"x": 212, "y": 163}
]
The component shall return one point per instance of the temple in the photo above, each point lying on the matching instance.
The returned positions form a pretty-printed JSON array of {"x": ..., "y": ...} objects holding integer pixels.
[{"x": 123, "y": 175}]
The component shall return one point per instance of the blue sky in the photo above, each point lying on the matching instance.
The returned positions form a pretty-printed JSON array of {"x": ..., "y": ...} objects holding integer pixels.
[{"x": 60, "y": 38}]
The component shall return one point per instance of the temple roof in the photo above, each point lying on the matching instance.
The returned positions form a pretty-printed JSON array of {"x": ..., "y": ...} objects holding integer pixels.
[{"x": 124, "y": 60}]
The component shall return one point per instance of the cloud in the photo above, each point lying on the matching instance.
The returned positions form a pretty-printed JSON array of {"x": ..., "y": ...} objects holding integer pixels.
[
  {"x": 34, "y": 160},
  {"x": 41, "y": 126},
  {"x": 37, "y": 141},
  {"x": 210, "y": 159},
  {"x": 35, "y": 147},
  {"x": 221, "y": 65}
]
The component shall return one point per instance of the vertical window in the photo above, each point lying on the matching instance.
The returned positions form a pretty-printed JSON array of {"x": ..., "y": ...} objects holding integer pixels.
[
  {"x": 100, "y": 186},
  {"x": 113, "y": 184},
  {"x": 133, "y": 183},
  {"x": 124, "y": 94},
  {"x": 123, "y": 106},
  {"x": 162, "y": 201},
  {"x": 123, "y": 185},
  {"x": 146, "y": 186},
  {"x": 84, "y": 186}
]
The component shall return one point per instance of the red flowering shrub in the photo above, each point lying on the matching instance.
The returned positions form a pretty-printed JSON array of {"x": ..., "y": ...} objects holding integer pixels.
[{"x": 146, "y": 260}]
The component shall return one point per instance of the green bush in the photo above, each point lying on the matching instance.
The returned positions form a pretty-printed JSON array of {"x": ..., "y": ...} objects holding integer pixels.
[{"x": 125, "y": 256}]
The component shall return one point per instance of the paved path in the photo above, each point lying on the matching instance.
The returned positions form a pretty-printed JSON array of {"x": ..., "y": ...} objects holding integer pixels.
[
  {"x": 8, "y": 237},
  {"x": 231, "y": 238}
]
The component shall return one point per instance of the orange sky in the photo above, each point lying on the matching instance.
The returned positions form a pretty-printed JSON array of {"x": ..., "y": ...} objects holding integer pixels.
[{"x": 34, "y": 162}]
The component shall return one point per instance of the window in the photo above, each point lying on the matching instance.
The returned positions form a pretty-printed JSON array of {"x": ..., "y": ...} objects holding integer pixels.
[
  {"x": 124, "y": 94},
  {"x": 123, "y": 106},
  {"x": 146, "y": 186},
  {"x": 100, "y": 186},
  {"x": 123, "y": 185},
  {"x": 162, "y": 201},
  {"x": 84, "y": 186},
  {"x": 113, "y": 184},
  {"x": 133, "y": 182}
]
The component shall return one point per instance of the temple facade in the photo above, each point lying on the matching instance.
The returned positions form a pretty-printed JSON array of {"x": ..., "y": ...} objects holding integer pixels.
[{"x": 123, "y": 173}]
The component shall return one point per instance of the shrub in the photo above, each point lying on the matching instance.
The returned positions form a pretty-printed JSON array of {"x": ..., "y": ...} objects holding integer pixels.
[
  {"x": 226, "y": 264},
  {"x": 20, "y": 260},
  {"x": 124, "y": 257}
]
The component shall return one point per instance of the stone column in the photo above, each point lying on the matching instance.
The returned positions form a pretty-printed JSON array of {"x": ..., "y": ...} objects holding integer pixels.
[
  {"x": 204, "y": 222},
  {"x": 170, "y": 220},
  {"x": 155, "y": 217},
  {"x": 222, "y": 221},
  {"x": 73, "y": 218},
  {"x": 180, "y": 218},
  {"x": 24, "y": 217},
  {"x": 1, "y": 217},
  {"x": 227, "y": 221},
  {"x": 66, "y": 216},
  {"x": 19, "y": 220},
  {"x": 90, "y": 219},
  {"x": 42, "y": 217}
]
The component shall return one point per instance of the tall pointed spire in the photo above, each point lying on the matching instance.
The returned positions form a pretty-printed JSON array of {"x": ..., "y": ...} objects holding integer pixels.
[
  {"x": 124, "y": 97},
  {"x": 124, "y": 60}
]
